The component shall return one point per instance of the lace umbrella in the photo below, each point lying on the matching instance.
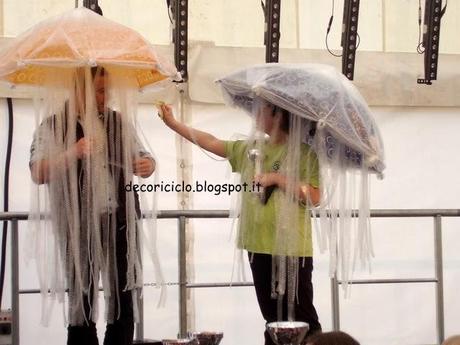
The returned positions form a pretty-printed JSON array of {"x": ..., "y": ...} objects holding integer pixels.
[
  {"x": 329, "y": 115},
  {"x": 87, "y": 72},
  {"x": 318, "y": 93}
]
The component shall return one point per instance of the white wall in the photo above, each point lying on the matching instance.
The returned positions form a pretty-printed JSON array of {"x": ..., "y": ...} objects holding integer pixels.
[
  {"x": 389, "y": 25},
  {"x": 422, "y": 167},
  {"x": 422, "y": 173}
]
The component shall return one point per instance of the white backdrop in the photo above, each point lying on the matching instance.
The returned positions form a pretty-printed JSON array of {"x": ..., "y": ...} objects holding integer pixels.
[
  {"x": 422, "y": 170},
  {"x": 421, "y": 147},
  {"x": 384, "y": 25}
]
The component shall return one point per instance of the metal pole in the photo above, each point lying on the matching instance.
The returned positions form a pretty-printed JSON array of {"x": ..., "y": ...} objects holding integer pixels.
[
  {"x": 297, "y": 33},
  {"x": 182, "y": 280},
  {"x": 384, "y": 28},
  {"x": 15, "y": 281},
  {"x": 2, "y": 26},
  {"x": 391, "y": 281},
  {"x": 335, "y": 303},
  {"x": 140, "y": 324},
  {"x": 375, "y": 213},
  {"x": 140, "y": 305},
  {"x": 439, "y": 277}
]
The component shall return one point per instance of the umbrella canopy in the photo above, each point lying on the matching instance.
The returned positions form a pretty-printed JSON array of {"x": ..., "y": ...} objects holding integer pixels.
[
  {"x": 81, "y": 37},
  {"x": 318, "y": 93}
]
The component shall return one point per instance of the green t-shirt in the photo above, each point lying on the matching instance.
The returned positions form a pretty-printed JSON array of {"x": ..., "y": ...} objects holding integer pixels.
[{"x": 258, "y": 222}]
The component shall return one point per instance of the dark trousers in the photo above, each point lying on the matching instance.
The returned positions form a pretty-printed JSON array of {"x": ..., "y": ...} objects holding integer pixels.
[
  {"x": 121, "y": 331},
  {"x": 261, "y": 267}
]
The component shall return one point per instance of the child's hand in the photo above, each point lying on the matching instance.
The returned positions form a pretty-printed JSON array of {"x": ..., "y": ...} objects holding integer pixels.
[
  {"x": 82, "y": 148},
  {"x": 166, "y": 114},
  {"x": 143, "y": 167}
]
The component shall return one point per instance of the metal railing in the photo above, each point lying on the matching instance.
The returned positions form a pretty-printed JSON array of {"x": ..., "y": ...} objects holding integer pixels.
[{"x": 182, "y": 216}]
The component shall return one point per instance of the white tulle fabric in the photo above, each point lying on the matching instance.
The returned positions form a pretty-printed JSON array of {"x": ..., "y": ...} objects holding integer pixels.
[
  {"x": 73, "y": 216},
  {"x": 331, "y": 116}
]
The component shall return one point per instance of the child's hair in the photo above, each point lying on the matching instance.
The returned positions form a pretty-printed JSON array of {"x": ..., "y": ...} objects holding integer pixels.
[
  {"x": 286, "y": 120},
  {"x": 97, "y": 70},
  {"x": 285, "y": 117}
]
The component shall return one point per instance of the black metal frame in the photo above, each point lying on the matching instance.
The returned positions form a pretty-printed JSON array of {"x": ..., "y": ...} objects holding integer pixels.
[
  {"x": 432, "y": 30},
  {"x": 179, "y": 9},
  {"x": 349, "y": 37},
  {"x": 272, "y": 11},
  {"x": 91, "y": 4}
]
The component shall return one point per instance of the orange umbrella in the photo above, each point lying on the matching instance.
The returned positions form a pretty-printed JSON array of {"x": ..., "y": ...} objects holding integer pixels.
[{"x": 77, "y": 38}]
